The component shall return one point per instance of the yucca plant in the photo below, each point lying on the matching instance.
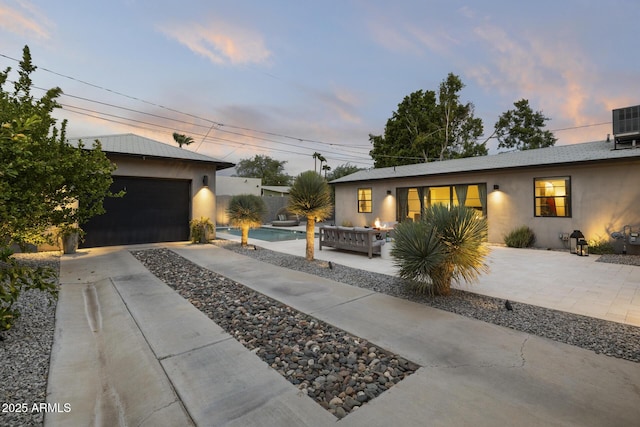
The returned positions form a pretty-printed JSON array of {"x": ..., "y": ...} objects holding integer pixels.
[
  {"x": 246, "y": 211},
  {"x": 447, "y": 245},
  {"x": 310, "y": 197}
]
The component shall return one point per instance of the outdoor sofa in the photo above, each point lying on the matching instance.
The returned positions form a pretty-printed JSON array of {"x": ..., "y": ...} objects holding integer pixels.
[
  {"x": 359, "y": 239},
  {"x": 285, "y": 219}
]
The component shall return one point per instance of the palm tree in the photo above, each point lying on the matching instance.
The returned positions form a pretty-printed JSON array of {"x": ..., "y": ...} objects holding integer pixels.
[
  {"x": 326, "y": 168},
  {"x": 246, "y": 211},
  {"x": 446, "y": 245},
  {"x": 316, "y": 156},
  {"x": 310, "y": 196},
  {"x": 182, "y": 139}
]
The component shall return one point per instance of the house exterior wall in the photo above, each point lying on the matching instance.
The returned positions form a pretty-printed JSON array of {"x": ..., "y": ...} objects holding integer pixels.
[
  {"x": 203, "y": 200},
  {"x": 604, "y": 198},
  {"x": 232, "y": 185}
]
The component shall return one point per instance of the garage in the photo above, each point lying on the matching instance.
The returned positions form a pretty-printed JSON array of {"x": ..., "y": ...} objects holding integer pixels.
[
  {"x": 152, "y": 210},
  {"x": 166, "y": 186}
]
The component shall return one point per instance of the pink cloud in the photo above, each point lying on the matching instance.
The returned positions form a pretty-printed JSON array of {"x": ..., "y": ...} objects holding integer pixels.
[
  {"x": 221, "y": 43},
  {"x": 25, "y": 21},
  {"x": 555, "y": 75}
]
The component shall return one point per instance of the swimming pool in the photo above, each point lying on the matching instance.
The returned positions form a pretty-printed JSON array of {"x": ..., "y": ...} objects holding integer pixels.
[{"x": 267, "y": 233}]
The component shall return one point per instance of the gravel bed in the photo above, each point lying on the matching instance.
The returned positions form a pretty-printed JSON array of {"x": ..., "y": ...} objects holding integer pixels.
[
  {"x": 26, "y": 348},
  {"x": 339, "y": 371},
  {"x": 620, "y": 259},
  {"x": 601, "y": 336}
]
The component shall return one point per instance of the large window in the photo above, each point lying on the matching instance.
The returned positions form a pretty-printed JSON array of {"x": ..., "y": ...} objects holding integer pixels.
[
  {"x": 364, "y": 200},
  {"x": 552, "y": 196},
  {"x": 412, "y": 201}
]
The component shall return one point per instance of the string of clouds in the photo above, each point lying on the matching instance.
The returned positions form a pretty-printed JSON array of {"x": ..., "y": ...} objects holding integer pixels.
[{"x": 324, "y": 75}]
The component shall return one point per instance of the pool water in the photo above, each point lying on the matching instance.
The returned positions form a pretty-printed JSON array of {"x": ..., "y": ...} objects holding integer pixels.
[{"x": 267, "y": 234}]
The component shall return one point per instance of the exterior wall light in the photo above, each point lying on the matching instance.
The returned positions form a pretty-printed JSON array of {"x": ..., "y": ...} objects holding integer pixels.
[
  {"x": 496, "y": 187},
  {"x": 388, "y": 192},
  {"x": 205, "y": 181}
]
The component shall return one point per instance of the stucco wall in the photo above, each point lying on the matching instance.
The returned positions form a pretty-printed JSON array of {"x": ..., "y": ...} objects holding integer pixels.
[
  {"x": 604, "y": 199},
  {"x": 232, "y": 185},
  {"x": 203, "y": 201}
]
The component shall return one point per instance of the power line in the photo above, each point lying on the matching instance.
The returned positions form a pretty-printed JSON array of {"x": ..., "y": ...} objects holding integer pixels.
[{"x": 181, "y": 112}]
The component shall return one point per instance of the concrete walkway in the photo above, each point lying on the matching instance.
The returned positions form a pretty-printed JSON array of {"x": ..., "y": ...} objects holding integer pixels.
[
  {"x": 551, "y": 279},
  {"x": 130, "y": 351}
]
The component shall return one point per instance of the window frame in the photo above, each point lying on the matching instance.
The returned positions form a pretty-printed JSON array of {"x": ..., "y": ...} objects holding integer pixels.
[
  {"x": 567, "y": 197},
  {"x": 364, "y": 200},
  {"x": 452, "y": 196}
]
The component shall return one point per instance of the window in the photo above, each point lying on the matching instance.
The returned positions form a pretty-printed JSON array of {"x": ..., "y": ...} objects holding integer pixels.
[
  {"x": 364, "y": 200},
  {"x": 552, "y": 196},
  {"x": 412, "y": 201}
]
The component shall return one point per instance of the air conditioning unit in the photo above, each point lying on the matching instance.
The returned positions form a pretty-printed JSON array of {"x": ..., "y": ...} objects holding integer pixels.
[{"x": 626, "y": 127}]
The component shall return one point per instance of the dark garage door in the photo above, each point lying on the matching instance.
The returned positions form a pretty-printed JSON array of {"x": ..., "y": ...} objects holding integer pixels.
[{"x": 152, "y": 210}]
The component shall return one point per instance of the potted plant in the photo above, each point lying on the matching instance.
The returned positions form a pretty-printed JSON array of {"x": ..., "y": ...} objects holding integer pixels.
[
  {"x": 70, "y": 235},
  {"x": 200, "y": 230}
]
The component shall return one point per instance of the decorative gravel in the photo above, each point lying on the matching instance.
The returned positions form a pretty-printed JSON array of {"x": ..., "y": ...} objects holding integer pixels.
[
  {"x": 25, "y": 350},
  {"x": 601, "y": 336},
  {"x": 339, "y": 371}
]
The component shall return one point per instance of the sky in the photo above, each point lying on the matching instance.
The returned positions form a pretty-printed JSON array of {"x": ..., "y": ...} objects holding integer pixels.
[{"x": 287, "y": 79}]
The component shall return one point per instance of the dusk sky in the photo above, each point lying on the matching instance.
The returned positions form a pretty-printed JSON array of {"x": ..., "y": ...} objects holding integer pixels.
[{"x": 290, "y": 78}]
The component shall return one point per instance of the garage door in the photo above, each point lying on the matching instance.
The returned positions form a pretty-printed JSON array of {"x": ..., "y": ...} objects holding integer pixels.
[{"x": 153, "y": 210}]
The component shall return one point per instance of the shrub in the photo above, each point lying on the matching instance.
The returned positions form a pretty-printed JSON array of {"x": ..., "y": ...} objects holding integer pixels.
[
  {"x": 200, "y": 229},
  {"x": 521, "y": 237},
  {"x": 446, "y": 245},
  {"x": 14, "y": 278},
  {"x": 600, "y": 247}
]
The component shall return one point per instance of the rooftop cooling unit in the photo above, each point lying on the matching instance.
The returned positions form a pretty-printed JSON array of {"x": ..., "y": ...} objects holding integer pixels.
[{"x": 626, "y": 126}]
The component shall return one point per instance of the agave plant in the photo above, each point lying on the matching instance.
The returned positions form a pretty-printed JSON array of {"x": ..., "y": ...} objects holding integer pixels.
[
  {"x": 447, "y": 245},
  {"x": 246, "y": 211},
  {"x": 310, "y": 197}
]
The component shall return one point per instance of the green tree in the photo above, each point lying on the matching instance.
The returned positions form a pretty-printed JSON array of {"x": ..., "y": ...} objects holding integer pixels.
[
  {"x": 44, "y": 181},
  {"x": 182, "y": 139},
  {"x": 342, "y": 170},
  {"x": 246, "y": 211},
  {"x": 310, "y": 197},
  {"x": 429, "y": 125},
  {"x": 271, "y": 171},
  {"x": 445, "y": 245},
  {"x": 523, "y": 129}
]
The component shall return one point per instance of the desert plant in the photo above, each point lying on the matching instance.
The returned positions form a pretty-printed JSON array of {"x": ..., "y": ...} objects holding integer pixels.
[
  {"x": 246, "y": 211},
  {"x": 200, "y": 229},
  {"x": 521, "y": 237},
  {"x": 14, "y": 279},
  {"x": 310, "y": 197},
  {"x": 445, "y": 245},
  {"x": 601, "y": 247}
]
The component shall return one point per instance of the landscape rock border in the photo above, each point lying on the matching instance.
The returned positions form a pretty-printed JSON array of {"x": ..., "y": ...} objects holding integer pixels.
[{"x": 341, "y": 372}]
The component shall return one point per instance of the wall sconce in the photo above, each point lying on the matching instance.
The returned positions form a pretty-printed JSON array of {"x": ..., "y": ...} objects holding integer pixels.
[
  {"x": 496, "y": 187},
  {"x": 205, "y": 181},
  {"x": 388, "y": 192}
]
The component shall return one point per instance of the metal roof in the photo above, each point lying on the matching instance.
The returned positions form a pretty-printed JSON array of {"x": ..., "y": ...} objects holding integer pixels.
[
  {"x": 135, "y": 145},
  {"x": 549, "y": 156}
]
